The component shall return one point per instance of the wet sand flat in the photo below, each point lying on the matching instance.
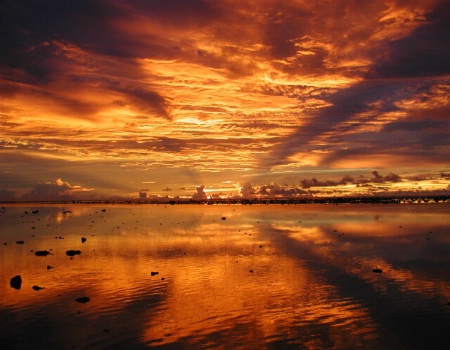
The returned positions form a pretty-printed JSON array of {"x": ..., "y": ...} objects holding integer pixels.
[{"x": 225, "y": 276}]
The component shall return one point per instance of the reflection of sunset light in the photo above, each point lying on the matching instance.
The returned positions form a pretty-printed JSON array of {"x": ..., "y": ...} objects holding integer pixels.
[
  {"x": 270, "y": 270},
  {"x": 308, "y": 234}
]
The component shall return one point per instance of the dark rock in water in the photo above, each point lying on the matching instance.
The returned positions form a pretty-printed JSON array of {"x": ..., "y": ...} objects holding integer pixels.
[
  {"x": 72, "y": 252},
  {"x": 83, "y": 300},
  {"x": 16, "y": 282},
  {"x": 20, "y": 242},
  {"x": 377, "y": 270},
  {"x": 224, "y": 218},
  {"x": 83, "y": 239},
  {"x": 251, "y": 271},
  {"x": 153, "y": 273},
  {"x": 42, "y": 253},
  {"x": 49, "y": 267},
  {"x": 5, "y": 243},
  {"x": 35, "y": 212},
  {"x": 37, "y": 288},
  {"x": 103, "y": 210}
]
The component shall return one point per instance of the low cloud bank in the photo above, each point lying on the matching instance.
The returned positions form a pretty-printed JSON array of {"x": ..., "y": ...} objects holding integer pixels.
[
  {"x": 46, "y": 191},
  {"x": 362, "y": 185},
  {"x": 347, "y": 179}
]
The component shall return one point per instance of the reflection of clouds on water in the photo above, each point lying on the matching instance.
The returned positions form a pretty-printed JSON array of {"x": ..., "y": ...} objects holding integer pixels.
[
  {"x": 347, "y": 265},
  {"x": 311, "y": 280}
]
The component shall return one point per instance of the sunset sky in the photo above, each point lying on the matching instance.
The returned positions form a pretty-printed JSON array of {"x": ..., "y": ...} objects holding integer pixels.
[{"x": 253, "y": 98}]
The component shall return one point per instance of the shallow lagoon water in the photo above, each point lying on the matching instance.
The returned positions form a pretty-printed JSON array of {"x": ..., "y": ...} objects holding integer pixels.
[{"x": 229, "y": 277}]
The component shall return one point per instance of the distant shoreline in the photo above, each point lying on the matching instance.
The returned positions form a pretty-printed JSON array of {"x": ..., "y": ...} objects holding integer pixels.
[{"x": 262, "y": 201}]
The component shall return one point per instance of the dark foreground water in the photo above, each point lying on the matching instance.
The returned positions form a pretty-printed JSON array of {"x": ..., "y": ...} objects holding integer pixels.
[{"x": 229, "y": 277}]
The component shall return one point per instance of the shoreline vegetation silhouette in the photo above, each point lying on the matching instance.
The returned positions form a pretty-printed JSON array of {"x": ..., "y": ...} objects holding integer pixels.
[{"x": 252, "y": 201}]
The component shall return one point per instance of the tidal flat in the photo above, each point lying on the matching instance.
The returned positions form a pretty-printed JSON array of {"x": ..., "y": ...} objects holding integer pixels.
[{"x": 355, "y": 276}]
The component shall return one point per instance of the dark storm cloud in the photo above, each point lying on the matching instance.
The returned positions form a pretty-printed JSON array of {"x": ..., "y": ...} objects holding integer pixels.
[
  {"x": 29, "y": 24},
  {"x": 416, "y": 125},
  {"x": 38, "y": 36},
  {"x": 177, "y": 12},
  {"x": 423, "y": 53},
  {"x": 345, "y": 104},
  {"x": 397, "y": 74},
  {"x": 143, "y": 98},
  {"x": 95, "y": 25}
]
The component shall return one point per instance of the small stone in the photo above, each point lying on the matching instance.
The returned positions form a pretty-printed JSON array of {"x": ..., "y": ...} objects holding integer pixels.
[
  {"x": 73, "y": 252},
  {"x": 83, "y": 300},
  {"x": 251, "y": 271},
  {"x": 16, "y": 282},
  {"x": 83, "y": 240},
  {"x": 20, "y": 242},
  {"x": 377, "y": 270},
  {"x": 37, "y": 288},
  {"x": 42, "y": 253},
  {"x": 224, "y": 218},
  {"x": 49, "y": 267},
  {"x": 153, "y": 273}
]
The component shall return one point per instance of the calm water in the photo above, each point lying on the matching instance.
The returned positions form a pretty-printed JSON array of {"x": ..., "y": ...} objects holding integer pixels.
[{"x": 266, "y": 277}]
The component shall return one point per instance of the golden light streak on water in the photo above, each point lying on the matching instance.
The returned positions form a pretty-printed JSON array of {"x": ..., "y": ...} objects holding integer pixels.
[{"x": 264, "y": 277}]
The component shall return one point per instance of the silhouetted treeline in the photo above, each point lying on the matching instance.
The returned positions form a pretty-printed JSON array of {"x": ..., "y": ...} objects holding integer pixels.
[{"x": 266, "y": 201}]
